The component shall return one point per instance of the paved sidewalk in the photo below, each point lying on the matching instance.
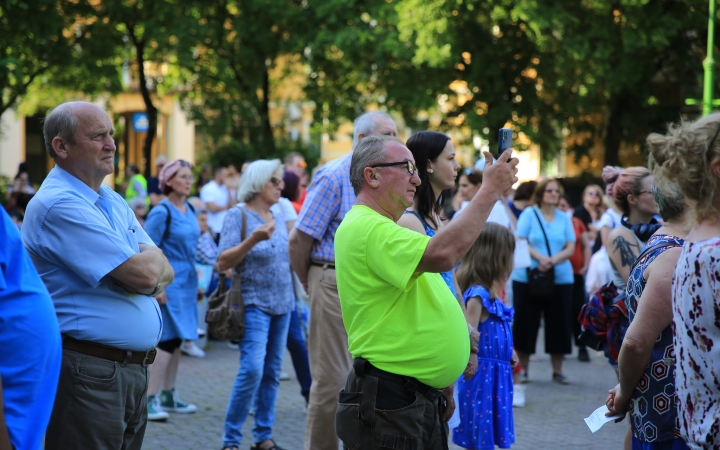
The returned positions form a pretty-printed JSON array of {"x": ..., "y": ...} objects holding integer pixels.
[{"x": 552, "y": 419}]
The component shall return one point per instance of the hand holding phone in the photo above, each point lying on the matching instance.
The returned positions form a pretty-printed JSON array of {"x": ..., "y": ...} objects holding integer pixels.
[{"x": 504, "y": 141}]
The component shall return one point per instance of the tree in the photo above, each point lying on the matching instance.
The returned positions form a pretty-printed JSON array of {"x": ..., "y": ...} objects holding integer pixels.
[
  {"x": 141, "y": 31},
  {"x": 625, "y": 65},
  {"x": 229, "y": 51},
  {"x": 47, "y": 41}
]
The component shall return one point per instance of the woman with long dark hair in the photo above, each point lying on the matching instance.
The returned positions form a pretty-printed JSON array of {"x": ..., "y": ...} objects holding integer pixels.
[{"x": 437, "y": 168}]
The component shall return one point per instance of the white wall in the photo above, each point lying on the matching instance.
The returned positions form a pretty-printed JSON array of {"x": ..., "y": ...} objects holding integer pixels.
[
  {"x": 180, "y": 135},
  {"x": 12, "y": 142}
]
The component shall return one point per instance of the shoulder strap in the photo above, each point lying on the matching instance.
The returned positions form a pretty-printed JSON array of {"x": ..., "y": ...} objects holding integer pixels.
[
  {"x": 243, "y": 233},
  {"x": 168, "y": 221},
  {"x": 547, "y": 243},
  {"x": 647, "y": 250}
]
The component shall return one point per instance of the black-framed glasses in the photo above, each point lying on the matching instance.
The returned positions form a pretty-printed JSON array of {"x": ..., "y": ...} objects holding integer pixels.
[{"x": 409, "y": 166}]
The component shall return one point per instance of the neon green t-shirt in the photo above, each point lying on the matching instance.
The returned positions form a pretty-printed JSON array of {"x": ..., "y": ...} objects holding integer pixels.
[{"x": 401, "y": 322}]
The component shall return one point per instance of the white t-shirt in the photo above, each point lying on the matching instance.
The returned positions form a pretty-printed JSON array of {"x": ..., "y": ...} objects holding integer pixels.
[
  {"x": 282, "y": 210},
  {"x": 609, "y": 218},
  {"x": 212, "y": 192},
  {"x": 499, "y": 213}
]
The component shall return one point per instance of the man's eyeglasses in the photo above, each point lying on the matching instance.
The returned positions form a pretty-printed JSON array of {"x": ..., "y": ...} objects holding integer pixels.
[
  {"x": 278, "y": 183},
  {"x": 409, "y": 166}
]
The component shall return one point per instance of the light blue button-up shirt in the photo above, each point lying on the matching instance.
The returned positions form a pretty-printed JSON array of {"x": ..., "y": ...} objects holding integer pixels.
[{"x": 75, "y": 237}]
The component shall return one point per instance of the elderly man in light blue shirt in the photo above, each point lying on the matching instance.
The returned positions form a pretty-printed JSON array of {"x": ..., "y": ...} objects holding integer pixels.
[{"x": 102, "y": 272}]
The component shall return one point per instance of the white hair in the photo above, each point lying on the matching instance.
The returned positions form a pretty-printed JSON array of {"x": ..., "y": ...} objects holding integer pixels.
[
  {"x": 365, "y": 125},
  {"x": 255, "y": 177}
]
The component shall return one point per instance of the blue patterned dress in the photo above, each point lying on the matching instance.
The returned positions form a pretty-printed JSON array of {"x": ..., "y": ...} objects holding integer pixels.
[
  {"x": 485, "y": 400},
  {"x": 446, "y": 276},
  {"x": 652, "y": 407}
]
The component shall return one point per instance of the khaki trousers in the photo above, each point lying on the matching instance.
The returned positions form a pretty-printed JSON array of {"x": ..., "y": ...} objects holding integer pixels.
[{"x": 330, "y": 360}]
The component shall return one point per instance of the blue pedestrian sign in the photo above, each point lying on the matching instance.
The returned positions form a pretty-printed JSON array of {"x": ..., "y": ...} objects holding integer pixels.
[{"x": 141, "y": 122}]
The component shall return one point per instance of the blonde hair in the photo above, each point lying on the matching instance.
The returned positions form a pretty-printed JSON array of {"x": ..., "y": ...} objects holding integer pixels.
[
  {"x": 490, "y": 259},
  {"x": 684, "y": 156}
]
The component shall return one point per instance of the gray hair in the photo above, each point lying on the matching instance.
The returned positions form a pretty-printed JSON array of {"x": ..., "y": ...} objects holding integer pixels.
[
  {"x": 60, "y": 121},
  {"x": 365, "y": 125},
  {"x": 371, "y": 150},
  {"x": 670, "y": 200},
  {"x": 256, "y": 177}
]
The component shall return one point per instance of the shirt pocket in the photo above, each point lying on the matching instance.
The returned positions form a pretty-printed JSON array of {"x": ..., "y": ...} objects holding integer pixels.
[{"x": 131, "y": 238}]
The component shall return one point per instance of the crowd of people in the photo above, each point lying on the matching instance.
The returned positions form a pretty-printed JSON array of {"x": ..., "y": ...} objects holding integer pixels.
[{"x": 394, "y": 244}]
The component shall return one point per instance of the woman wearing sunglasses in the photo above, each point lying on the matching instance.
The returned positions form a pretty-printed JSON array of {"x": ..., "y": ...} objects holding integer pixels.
[
  {"x": 551, "y": 240},
  {"x": 263, "y": 262}
]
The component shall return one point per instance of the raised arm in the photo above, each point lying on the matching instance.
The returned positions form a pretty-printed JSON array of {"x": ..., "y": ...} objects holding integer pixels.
[{"x": 454, "y": 240}]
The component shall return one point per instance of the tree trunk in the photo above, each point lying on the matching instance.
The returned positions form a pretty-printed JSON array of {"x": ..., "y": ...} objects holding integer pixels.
[
  {"x": 613, "y": 134},
  {"x": 150, "y": 109},
  {"x": 267, "y": 135}
]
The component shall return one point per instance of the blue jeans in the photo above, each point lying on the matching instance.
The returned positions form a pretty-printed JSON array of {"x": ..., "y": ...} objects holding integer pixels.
[
  {"x": 299, "y": 354},
  {"x": 261, "y": 358}
]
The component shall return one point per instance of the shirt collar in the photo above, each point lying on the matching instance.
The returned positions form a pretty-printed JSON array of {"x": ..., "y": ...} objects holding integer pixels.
[{"x": 80, "y": 188}]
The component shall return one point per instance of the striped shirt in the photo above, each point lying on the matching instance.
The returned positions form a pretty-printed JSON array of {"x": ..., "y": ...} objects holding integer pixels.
[{"x": 329, "y": 197}]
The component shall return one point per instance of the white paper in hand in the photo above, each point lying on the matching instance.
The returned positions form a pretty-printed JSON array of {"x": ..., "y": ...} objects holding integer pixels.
[{"x": 597, "y": 419}]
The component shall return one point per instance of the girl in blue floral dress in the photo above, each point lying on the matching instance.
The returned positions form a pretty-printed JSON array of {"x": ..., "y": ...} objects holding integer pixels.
[{"x": 485, "y": 400}]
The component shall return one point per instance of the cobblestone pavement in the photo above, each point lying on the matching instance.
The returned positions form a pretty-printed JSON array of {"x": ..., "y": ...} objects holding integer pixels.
[{"x": 552, "y": 419}]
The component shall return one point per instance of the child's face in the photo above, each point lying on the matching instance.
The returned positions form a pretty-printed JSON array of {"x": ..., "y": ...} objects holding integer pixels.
[
  {"x": 202, "y": 222},
  {"x": 140, "y": 212}
]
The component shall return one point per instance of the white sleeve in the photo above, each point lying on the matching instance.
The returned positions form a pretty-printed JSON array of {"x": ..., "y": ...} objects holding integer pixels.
[{"x": 288, "y": 211}]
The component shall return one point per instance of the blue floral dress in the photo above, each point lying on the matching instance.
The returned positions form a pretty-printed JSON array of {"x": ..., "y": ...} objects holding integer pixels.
[
  {"x": 652, "y": 407},
  {"x": 446, "y": 276},
  {"x": 485, "y": 400}
]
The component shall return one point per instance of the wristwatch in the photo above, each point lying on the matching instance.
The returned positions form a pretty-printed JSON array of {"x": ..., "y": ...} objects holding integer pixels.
[{"x": 155, "y": 291}]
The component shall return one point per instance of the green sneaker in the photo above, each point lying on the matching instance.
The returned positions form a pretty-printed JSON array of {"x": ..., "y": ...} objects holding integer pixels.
[
  {"x": 170, "y": 401},
  {"x": 155, "y": 411}
]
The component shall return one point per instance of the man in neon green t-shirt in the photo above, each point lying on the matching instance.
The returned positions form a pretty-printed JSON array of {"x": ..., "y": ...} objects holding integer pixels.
[{"x": 406, "y": 331}]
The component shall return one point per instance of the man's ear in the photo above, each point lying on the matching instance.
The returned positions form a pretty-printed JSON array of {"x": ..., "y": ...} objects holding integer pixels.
[
  {"x": 60, "y": 147},
  {"x": 371, "y": 178}
]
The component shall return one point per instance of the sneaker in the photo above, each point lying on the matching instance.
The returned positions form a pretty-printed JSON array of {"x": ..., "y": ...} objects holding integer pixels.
[
  {"x": 155, "y": 411},
  {"x": 170, "y": 401},
  {"x": 284, "y": 376},
  {"x": 583, "y": 354},
  {"x": 201, "y": 332},
  {"x": 523, "y": 378},
  {"x": 519, "y": 396},
  {"x": 560, "y": 378},
  {"x": 190, "y": 349},
  {"x": 235, "y": 345}
]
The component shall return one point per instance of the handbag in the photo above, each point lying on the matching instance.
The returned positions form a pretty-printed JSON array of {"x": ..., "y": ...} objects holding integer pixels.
[
  {"x": 226, "y": 311},
  {"x": 542, "y": 284}
]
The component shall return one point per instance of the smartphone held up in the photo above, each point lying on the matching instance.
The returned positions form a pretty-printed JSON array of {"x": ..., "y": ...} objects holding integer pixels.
[{"x": 504, "y": 141}]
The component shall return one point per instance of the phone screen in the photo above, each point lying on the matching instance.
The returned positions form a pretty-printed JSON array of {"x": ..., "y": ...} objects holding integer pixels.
[{"x": 504, "y": 140}]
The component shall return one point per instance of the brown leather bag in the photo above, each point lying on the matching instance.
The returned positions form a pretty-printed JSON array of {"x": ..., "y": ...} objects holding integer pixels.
[{"x": 226, "y": 311}]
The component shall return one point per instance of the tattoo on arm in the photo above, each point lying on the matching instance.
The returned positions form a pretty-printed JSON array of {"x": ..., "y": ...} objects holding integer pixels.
[{"x": 627, "y": 254}]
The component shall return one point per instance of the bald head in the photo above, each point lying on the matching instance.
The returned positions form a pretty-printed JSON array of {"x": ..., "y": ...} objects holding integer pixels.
[{"x": 63, "y": 121}]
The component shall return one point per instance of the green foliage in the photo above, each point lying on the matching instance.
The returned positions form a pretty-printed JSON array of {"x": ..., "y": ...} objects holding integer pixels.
[{"x": 45, "y": 41}]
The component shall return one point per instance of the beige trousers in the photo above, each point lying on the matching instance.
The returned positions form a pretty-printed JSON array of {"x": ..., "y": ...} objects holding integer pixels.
[{"x": 330, "y": 360}]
